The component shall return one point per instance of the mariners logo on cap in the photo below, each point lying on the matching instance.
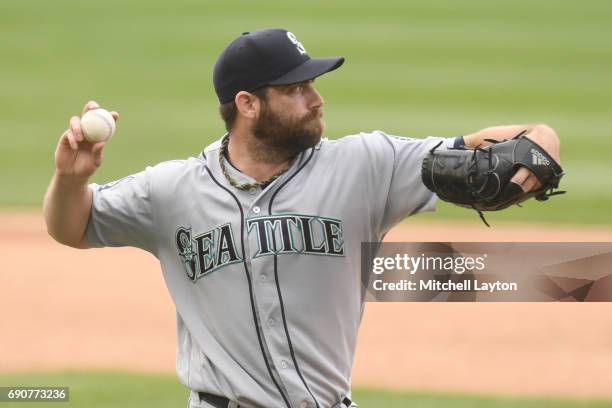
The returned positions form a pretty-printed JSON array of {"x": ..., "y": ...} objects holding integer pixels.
[{"x": 295, "y": 41}]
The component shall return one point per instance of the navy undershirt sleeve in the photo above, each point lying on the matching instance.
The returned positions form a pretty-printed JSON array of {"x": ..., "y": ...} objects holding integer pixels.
[{"x": 459, "y": 142}]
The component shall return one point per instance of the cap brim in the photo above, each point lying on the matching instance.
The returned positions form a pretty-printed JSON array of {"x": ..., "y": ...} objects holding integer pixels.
[{"x": 310, "y": 69}]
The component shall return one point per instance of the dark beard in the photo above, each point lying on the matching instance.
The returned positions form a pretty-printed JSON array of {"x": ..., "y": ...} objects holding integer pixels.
[{"x": 282, "y": 137}]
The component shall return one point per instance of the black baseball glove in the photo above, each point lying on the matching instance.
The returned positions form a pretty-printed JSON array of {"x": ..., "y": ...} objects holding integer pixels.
[{"x": 480, "y": 178}]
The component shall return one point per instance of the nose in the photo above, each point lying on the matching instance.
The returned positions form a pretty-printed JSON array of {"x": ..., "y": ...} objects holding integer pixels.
[{"x": 317, "y": 100}]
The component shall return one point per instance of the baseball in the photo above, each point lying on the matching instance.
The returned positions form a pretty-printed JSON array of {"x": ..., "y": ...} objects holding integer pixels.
[{"x": 98, "y": 125}]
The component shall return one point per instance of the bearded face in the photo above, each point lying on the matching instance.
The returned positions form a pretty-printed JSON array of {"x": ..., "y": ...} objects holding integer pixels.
[{"x": 285, "y": 133}]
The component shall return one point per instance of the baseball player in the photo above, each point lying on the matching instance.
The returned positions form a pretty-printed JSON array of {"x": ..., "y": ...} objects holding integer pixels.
[{"x": 258, "y": 236}]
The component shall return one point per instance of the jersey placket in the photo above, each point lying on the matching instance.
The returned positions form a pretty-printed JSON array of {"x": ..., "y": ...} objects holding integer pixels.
[
  {"x": 275, "y": 341},
  {"x": 268, "y": 305}
]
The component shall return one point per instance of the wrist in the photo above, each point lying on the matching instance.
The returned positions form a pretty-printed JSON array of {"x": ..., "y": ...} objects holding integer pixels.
[{"x": 70, "y": 181}]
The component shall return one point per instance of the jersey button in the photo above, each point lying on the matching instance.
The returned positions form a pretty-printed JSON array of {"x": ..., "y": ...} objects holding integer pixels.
[
  {"x": 271, "y": 322},
  {"x": 283, "y": 364},
  {"x": 263, "y": 278},
  {"x": 304, "y": 404},
  {"x": 256, "y": 210},
  {"x": 252, "y": 191}
]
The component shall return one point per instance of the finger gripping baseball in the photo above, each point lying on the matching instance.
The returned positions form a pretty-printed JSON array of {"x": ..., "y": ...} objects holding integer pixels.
[{"x": 480, "y": 178}]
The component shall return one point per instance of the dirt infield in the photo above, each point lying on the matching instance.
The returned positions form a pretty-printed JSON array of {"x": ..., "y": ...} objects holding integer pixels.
[{"x": 108, "y": 308}]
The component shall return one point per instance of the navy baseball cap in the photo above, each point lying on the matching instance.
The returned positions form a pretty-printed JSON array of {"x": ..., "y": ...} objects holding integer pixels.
[{"x": 266, "y": 57}]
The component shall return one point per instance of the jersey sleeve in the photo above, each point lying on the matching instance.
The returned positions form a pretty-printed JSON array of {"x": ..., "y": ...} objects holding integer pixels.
[
  {"x": 400, "y": 191},
  {"x": 122, "y": 213}
]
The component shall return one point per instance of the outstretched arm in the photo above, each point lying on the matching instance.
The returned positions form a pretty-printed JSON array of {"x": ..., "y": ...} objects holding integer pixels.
[{"x": 67, "y": 203}]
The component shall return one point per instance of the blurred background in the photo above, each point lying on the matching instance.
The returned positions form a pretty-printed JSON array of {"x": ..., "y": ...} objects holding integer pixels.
[{"x": 413, "y": 68}]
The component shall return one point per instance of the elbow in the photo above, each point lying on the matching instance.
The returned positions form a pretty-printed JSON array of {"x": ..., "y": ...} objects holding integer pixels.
[
  {"x": 57, "y": 230},
  {"x": 62, "y": 238},
  {"x": 59, "y": 238},
  {"x": 76, "y": 244}
]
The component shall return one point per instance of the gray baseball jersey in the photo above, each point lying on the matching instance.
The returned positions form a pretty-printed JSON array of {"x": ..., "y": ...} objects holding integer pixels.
[{"x": 267, "y": 283}]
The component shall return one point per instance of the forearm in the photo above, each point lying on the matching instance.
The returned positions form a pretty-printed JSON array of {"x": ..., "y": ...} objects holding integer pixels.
[
  {"x": 66, "y": 208},
  {"x": 496, "y": 133},
  {"x": 542, "y": 134}
]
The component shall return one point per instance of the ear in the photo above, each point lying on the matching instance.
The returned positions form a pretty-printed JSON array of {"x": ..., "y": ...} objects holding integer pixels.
[{"x": 248, "y": 105}]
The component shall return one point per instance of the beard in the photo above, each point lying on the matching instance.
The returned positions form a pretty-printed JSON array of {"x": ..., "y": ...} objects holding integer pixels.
[{"x": 284, "y": 136}]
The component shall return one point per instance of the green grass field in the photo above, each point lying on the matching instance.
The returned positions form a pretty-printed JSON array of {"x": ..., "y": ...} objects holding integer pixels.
[
  {"x": 122, "y": 390},
  {"x": 413, "y": 68}
]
